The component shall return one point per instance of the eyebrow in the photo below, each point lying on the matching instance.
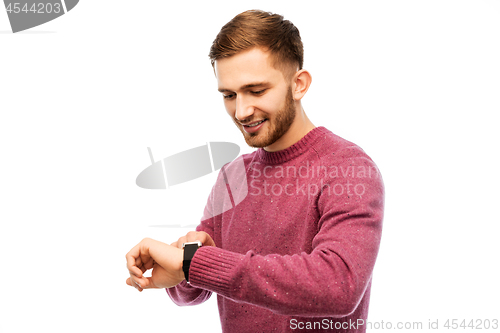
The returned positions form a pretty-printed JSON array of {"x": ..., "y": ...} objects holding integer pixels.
[{"x": 247, "y": 86}]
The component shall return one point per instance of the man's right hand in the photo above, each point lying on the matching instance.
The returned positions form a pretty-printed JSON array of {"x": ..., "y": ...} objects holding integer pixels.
[{"x": 194, "y": 236}]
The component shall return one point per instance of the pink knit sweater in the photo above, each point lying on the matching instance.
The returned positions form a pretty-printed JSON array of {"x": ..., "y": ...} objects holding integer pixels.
[{"x": 297, "y": 253}]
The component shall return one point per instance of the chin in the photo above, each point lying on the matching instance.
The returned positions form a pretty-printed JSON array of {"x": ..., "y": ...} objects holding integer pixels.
[{"x": 260, "y": 140}]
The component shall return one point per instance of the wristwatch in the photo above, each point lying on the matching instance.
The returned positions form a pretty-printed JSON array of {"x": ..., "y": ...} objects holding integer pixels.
[{"x": 189, "y": 251}]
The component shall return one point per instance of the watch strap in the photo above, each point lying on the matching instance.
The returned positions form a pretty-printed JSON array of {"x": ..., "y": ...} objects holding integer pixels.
[{"x": 189, "y": 251}]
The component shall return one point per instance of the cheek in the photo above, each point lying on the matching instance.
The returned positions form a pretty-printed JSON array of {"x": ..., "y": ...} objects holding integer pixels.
[
  {"x": 230, "y": 108},
  {"x": 270, "y": 105}
]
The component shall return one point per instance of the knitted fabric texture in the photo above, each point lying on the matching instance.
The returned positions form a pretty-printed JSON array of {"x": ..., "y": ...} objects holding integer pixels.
[{"x": 299, "y": 250}]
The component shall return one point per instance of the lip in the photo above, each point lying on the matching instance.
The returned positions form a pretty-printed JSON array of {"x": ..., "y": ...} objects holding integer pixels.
[{"x": 255, "y": 128}]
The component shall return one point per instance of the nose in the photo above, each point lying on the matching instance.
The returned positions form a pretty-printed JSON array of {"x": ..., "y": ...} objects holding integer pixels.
[{"x": 244, "y": 109}]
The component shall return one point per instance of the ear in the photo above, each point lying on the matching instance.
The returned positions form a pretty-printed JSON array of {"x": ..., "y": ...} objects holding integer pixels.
[{"x": 300, "y": 84}]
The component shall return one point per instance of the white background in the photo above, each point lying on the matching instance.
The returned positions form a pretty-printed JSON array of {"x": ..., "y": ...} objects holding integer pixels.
[{"x": 414, "y": 83}]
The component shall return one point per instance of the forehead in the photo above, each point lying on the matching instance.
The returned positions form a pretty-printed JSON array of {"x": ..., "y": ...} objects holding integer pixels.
[{"x": 245, "y": 68}]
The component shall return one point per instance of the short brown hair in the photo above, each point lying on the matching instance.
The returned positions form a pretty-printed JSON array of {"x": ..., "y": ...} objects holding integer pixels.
[{"x": 259, "y": 28}]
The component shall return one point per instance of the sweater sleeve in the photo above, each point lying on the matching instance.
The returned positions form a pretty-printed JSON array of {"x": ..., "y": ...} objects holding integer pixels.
[{"x": 329, "y": 280}]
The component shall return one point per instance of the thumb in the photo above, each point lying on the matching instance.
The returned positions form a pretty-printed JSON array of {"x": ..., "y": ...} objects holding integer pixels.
[{"x": 147, "y": 283}]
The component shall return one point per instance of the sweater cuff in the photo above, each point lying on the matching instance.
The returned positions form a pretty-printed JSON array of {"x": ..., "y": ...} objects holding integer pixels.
[{"x": 213, "y": 269}]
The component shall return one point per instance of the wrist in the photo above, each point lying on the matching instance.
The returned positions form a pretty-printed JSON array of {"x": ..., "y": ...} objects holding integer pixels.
[{"x": 180, "y": 259}]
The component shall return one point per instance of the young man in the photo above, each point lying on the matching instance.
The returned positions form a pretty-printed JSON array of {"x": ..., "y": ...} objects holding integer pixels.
[{"x": 299, "y": 250}]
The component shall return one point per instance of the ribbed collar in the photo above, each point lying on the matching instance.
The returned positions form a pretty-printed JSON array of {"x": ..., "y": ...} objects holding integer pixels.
[{"x": 298, "y": 148}]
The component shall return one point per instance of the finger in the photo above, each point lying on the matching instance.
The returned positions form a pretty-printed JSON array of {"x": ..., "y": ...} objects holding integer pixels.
[
  {"x": 205, "y": 239},
  {"x": 191, "y": 236},
  {"x": 131, "y": 283},
  {"x": 136, "y": 283},
  {"x": 142, "y": 265},
  {"x": 181, "y": 241},
  {"x": 138, "y": 286},
  {"x": 147, "y": 283},
  {"x": 148, "y": 265},
  {"x": 145, "y": 257},
  {"x": 202, "y": 237},
  {"x": 131, "y": 260},
  {"x": 143, "y": 270}
]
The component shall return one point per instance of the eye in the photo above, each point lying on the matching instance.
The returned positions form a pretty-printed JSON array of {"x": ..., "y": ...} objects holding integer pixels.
[
  {"x": 260, "y": 92},
  {"x": 230, "y": 96}
]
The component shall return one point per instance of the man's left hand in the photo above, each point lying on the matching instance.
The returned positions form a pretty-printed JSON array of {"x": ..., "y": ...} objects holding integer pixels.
[{"x": 164, "y": 259}]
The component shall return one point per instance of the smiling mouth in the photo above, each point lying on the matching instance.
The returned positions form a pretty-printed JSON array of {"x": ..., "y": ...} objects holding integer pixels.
[{"x": 256, "y": 123}]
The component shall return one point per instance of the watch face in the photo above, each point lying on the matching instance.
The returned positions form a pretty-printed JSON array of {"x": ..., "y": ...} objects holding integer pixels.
[{"x": 192, "y": 243}]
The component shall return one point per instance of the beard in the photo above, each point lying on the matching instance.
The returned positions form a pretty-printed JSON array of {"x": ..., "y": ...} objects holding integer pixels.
[{"x": 276, "y": 127}]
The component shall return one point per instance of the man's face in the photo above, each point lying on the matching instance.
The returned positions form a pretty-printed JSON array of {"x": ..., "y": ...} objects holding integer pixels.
[{"x": 253, "y": 91}]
